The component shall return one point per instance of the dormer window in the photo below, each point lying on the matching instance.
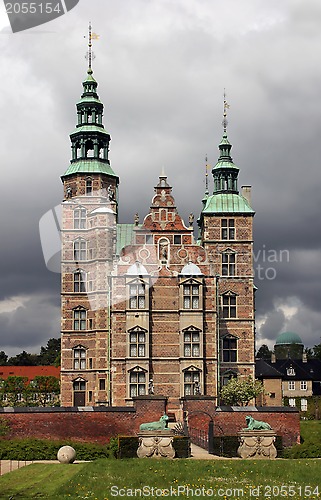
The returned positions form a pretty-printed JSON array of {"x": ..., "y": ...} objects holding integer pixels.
[
  {"x": 89, "y": 186},
  {"x": 290, "y": 371}
]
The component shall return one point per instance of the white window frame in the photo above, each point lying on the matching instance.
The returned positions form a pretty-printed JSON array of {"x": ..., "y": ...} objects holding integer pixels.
[
  {"x": 291, "y": 385},
  {"x": 303, "y": 385}
]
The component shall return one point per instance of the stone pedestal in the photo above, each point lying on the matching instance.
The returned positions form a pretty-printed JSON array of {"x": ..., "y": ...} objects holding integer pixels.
[
  {"x": 257, "y": 444},
  {"x": 156, "y": 444}
]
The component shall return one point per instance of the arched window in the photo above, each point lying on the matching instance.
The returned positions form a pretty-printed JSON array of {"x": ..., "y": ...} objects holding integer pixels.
[
  {"x": 163, "y": 250},
  {"x": 80, "y": 249},
  {"x": 89, "y": 186},
  {"x": 80, "y": 218},
  {"x": 80, "y": 318}
]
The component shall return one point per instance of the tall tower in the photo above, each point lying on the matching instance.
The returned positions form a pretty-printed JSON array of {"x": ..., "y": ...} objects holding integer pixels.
[
  {"x": 226, "y": 233},
  {"x": 89, "y": 217}
]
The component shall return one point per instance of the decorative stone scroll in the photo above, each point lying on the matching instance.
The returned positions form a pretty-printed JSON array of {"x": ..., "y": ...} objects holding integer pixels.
[
  {"x": 257, "y": 444},
  {"x": 156, "y": 444}
]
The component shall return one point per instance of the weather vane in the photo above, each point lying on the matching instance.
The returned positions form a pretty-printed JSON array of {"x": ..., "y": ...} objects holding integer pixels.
[
  {"x": 225, "y": 107},
  {"x": 90, "y": 54},
  {"x": 206, "y": 175}
]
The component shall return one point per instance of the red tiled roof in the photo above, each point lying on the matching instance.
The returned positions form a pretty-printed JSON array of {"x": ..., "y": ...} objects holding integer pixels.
[{"x": 29, "y": 371}]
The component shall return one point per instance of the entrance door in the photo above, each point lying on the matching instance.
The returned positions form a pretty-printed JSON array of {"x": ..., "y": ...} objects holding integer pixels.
[{"x": 80, "y": 393}]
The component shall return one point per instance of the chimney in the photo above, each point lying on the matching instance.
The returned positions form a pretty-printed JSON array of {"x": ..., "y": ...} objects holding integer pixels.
[
  {"x": 246, "y": 193},
  {"x": 273, "y": 357},
  {"x": 304, "y": 358}
]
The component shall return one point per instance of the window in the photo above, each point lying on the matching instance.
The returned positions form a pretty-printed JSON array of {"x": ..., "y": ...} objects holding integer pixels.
[
  {"x": 291, "y": 385},
  {"x": 304, "y": 404},
  {"x": 102, "y": 384},
  {"x": 191, "y": 383},
  {"x": 79, "y": 358},
  {"x": 137, "y": 344},
  {"x": 191, "y": 344},
  {"x": 228, "y": 264},
  {"x": 149, "y": 239},
  {"x": 79, "y": 385},
  {"x": 137, "y": 296},
  {"x": 80, "y": 218},
  {"x": 229, "y": 349},
  {"x": 272, "y": 395},
  {"x": 137, "y": 383},
  {"x": 79, "y": 319},
  {"x": 80, "y": 250},
  {"x": 89, "y": 187},
  {"x": 177, "y": 239},
  {"x": 191, "y": 298},
  {"x": 227, "y": 376},
  {"x": 290, "y": 371},
  {"x": 303, "y": 385},
  {"x": 79, "y": 281},
  {"x": 228, "y": 229},
  {"x": 291, "y": 401},
  {"x": 229, "y": 305}
]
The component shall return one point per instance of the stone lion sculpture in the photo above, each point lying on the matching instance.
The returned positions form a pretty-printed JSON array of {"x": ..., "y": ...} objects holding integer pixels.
[
  {"x": 160, "y": 425},
  {"x": 256, "y": 425}
]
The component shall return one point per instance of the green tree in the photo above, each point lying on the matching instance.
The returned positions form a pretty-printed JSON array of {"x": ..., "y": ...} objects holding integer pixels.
[
  {"x": 3, "y": 358},
  {"x": 264, "y": 352},
  {"x": 240, "y": 391},
  {"x": 45, "y": 390},
  {"x": 317, "y": 351},
  {"x": 24, "y": 359},
  {"x": 14, "y": 391},
  {"x": 50, "y": 355}
]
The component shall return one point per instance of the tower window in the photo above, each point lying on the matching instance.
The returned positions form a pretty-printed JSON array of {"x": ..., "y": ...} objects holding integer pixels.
[
  {"x": 79, "y": 319},
  {"x": 89, "y": 187},
  {"x": 229, "y": 306},
  {"x": 228, "y": 229},
  {"x": 102, "y": 384},
  {"x": 79, "y": 282},
  {"x": 137, "y": 296},
  {"x": 80, "y": 218},
  {"x": 80, "y": 250},
  {"x": 79, "y": 358},
  {"x": 191, "y": 344},
  {"x": 137, "y": 383},
  {"x": 191, "y": 297},
  {"x": 228, "y": 264},
  {"x": 191, "y": 383},
  {"x": 137, "y": 344},
  {"x": 177, "y": 239},
  {"x": 229, "y": 349}
]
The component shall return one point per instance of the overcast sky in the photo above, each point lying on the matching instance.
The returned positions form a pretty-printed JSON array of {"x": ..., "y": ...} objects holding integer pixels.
[{"x": 162, "y": 67}]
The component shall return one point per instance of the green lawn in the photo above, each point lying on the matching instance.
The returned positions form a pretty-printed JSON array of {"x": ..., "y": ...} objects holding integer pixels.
[{"x": 107, "y": 479}]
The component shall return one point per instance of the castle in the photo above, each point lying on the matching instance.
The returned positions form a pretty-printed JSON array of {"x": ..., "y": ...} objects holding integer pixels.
[{"x": 147, "y": 308}]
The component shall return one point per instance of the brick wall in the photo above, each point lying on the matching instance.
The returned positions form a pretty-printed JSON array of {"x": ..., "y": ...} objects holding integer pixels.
[
  {"x": 95, "y": 425},
  {"x": 228, "y": 421}
]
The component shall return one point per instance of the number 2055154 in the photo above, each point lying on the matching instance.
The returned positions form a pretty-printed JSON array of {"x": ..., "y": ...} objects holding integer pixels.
[{"x": 33, "y": 8}]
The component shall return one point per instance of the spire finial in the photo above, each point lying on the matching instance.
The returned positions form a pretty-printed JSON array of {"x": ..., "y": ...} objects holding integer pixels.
[
  {"x": 90, "y": 54},
  {"x": 225, "y": 107},
  {"x": 206, "y": 176}
]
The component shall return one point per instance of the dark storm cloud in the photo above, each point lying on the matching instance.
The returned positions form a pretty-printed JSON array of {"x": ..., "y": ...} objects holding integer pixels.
[{"x": 161, "y": 70}]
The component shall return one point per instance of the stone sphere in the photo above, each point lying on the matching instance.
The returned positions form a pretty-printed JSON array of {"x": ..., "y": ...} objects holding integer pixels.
[{"x": 66, "y": 455}]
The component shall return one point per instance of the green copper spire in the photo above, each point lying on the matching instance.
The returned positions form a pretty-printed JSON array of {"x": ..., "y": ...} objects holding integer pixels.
[
  {"x": 89, "y": 140},
  {"x": 225, "y": 172}
]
